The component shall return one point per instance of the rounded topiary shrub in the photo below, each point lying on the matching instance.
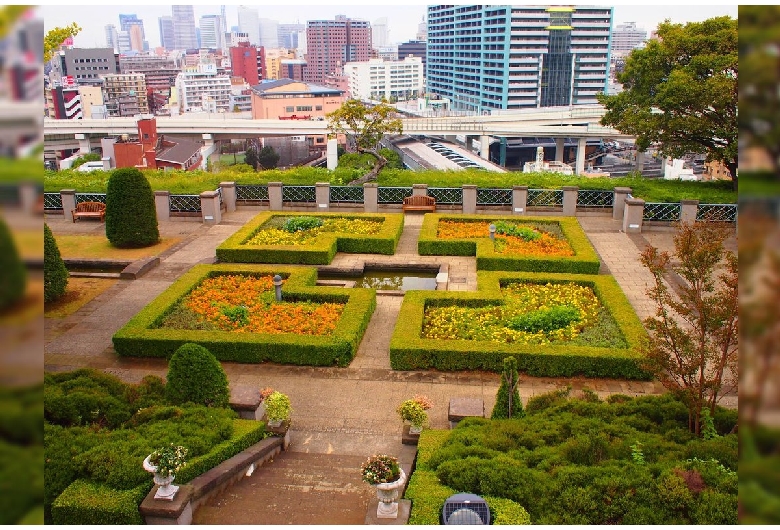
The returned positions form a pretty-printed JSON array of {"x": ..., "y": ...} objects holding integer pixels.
[
  {"x": 195, "y": 375},
  {"x": 131, "y": 217},
  {"x": 508, "y": 403},
  {"x": 55, "y": 274},
  {"x": 13, "y": 278}
]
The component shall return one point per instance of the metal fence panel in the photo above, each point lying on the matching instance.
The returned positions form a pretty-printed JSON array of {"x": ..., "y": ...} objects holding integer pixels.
[
  {"x": 184, "y": 203},
  {"x": 299, "y": 194},
  {"x": 545, "y": 198},
  {"x": 390, "y": 195},
  {"x": 447, "y": 195},
  {"x": 90, "y": 197},
  {"x": 661, "y": 211},
  {"x": 346, "y": 194},
  {"x": 724, "y": 213},
  {"x": 251, "y": 192},
  {"x": 595, "y": 198},
  {"x": 493, "y": 197},
  {"x": 52, "y": 201}
]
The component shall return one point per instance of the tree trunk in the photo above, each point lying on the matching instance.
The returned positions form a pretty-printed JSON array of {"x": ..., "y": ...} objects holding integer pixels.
[
  {"x": 374, "y": 173},
  {"x": 732, "y": 166}
]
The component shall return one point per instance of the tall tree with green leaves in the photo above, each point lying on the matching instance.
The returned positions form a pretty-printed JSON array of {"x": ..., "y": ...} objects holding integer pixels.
[
  {"x": 365, "y": 126},
  {"x": 268, "y": 158},
  {"x": 680, "y": 92}
]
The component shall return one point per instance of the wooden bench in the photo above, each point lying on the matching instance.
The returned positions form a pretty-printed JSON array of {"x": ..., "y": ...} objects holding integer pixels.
[
  {"x": 419, "y": 203},
  {"x": 89, "y": 210}
]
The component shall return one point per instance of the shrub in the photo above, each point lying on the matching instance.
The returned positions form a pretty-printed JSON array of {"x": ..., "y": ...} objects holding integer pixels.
[
  {"x": 85, "y": 502},
  {"x": 195, "y": 375},
  {"x": 413, "y": 412},
  {"x": 89, "y": 157},
  {"x": 13, "y": 279},
  {"x": 131, "y": 216},
  {"x": 278, "y": 407},
  {"x": 547, "y": 320},
  {"x": 506, "y": 407},
  {"x": 297, "y": 224},
  {"x": 55, "y": 274}
]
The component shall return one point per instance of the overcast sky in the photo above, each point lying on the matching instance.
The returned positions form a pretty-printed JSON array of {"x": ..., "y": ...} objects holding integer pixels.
[{"x": 403, "y": 17}]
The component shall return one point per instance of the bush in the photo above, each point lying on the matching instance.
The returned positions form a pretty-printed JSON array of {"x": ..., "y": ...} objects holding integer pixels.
[
  {"x": 85, "y": 502},
  {"x": 13, "y": 279},
  {"x": 556, "y": 317},
  {"x": 55, "y": 274},
  {"x": 508, "y": 387},
  {"x": 89, "y": 157},
  {"x": 131, "y": 216},
  {"x": 298, "y": 224},
  {"x": 195, "y": 375},
  {"x": 278, "y": 407}
]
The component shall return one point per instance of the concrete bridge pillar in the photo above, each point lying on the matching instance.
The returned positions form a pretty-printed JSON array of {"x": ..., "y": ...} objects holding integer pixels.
[
  {"x": 332, "y": 152},
  {"x": 484, "y": 147},
  {"x": 579, "y": 169},
  {"x": 84, "y": 145},
  {"x": 560, "y": 147},
  {"x": 469, "y": 143}
]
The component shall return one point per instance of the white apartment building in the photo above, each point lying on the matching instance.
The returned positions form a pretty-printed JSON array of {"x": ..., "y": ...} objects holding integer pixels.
[
  {"x": 201, "y": 89},
  {"x": 392, "y": 80}
]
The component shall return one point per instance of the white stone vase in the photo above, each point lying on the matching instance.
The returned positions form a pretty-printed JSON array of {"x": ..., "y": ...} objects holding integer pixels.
[
  {"x": 275, "y": 423},
  {"x": 413, "y": 429},
  {"x": 388, "y": 494},
  {"x": 166, "y": 491}
]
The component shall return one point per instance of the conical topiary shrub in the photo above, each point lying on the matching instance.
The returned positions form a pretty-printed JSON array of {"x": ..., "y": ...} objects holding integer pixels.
[
  {"x": 195, "y": 375},
  {"x": 508, "y": 404},
  {"x": 55, "y": 274},
  {"x": 13, "y": 276},
  {"x": 131, "y": 217}
]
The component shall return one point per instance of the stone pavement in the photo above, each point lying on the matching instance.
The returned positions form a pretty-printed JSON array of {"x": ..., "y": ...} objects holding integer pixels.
[{"x": 336, "y": 411}]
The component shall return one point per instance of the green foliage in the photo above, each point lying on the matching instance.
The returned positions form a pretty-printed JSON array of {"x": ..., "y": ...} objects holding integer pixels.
[
  {"x": 84, "y": 503},
  {"x": 550, "y": 319},
  {"x": 411, "y": 411},
  {"x": 364, "y": 162},
  {"x": 508, "y": 403},
  {"x": 13, "y": 280},
  {"x": 267, "y": 158},
  {"x": 89, "y": 157},
  {"x": 278, "y": 407},
  {"x": 238, "y": 314},
  {"x": 708, "y": 430},
  {"x": 85, "y": 397},
  {"x": 195, "y": 376},
  {"x": 251, "y": 156},
  {"x": 511, "y": 229},
  {"x": 55, "y": 274},
  {"x": 131, "y": 216},
  {"x": 636, "y": 453},
  {"x": 297, "y": 224},
  {"x": 55, "y": 37}
]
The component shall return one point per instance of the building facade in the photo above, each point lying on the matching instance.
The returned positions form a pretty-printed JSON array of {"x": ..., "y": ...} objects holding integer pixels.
[
  {"x": 415, "y": 48},
  {"x": 289, "y": 33},
  {"x": 167, "y": 39},
  {"x": 273, "y": 62},
  {"x": 184, "y": 36},
  {"x": 283, "y": 98},
  {"x": 333, "y": 43},
  {"x": 249, "y": 23},
  {"x": 292, "y": 69},
  {"x": 248, "y": 62},
  {"x": 392, "y": 80},
  {"x": 125, "y": 94},
  {"x": 494, "y": 57},
  {"x": 87, "y": 65},
  {"x": 627, "y": 37},
  {"x": 200, "y": 89},
  {"x": 112, "y": 37},
  {"x": 211, "y": 35}
]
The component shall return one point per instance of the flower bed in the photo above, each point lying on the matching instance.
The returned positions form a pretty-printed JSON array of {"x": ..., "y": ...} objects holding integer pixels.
[
  {"x": 537, "y": 244},
  {"x": 514, "y": 314},
  {"x": 264, "y": 239},
  {"x": 212, "y": 305}
]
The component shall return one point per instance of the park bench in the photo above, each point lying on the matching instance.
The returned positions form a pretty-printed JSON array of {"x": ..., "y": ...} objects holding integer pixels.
[
  {"x": 419, "y": 203},
  {"x": 89, "y": 210}
]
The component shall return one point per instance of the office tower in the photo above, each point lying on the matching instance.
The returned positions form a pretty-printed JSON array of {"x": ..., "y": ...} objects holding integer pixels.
[
  {"x": 627, "y": 37},
  {"x": 333, "y": 43},
  {"x": 422, "y": 31},
  {"x": 413, "y": 48},
  {"x": 269, "y": 33},
  {"x": 112, "y": 38},
  {"x": 249, "y": 23},
  {"x": 248, "y": 62},
  {"x": 166, "y": 33},
  {"x": 184, "y": 36},
  {"x": 211, "y": 35},
  {"x": 123, "y": 41},
  {"x": 137, "y": 36},
  {"x": 513, "y": 57},
  {"x": 380, "y": 34},
  {"x": 288, "y": 35}
]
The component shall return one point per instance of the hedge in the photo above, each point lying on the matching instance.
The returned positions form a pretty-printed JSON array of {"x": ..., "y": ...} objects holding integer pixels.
[
  {"x": 319, "y": 252},
  {"x": 85, "y": 502},
  {"x": 584, "y": 261},
  {"x": 141, "y": 337},
  {"x": 410, "y": 352}
]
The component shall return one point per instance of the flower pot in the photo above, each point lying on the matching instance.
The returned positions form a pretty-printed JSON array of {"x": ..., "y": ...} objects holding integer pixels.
[
  {"x": 166, "y": 490},
  {"x": 275, "y": 423},
  {"x": 388, "y": 494},
  {"x": 413, "y": 429}
]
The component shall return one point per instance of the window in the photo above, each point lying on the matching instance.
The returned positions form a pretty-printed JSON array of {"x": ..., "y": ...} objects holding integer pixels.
[
  {"x": 318, "y": 107},
  {"x": 304, "y": 108},
  {"x": 289, "y": 109}
]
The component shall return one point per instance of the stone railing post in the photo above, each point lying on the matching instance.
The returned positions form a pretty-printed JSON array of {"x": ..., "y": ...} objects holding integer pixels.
[
  {"x": 469, "y": 198},
  {"x": 619, "y": 202},
  {"x": 632, "y": 215},
  {"x": 370, "y": 197},
  {"x": 275, "y": 196},
  {"x": 28, "y": 196},
  {"x": 68, "y": 203},
  {"x": 162, "y": 204},
  {"x": 688, "y": 210},
  {"x": 570, "y": 200},
  {"x": 209, "y": 207},
  {"x": 519, "y": 200},
  {"x": 322, "y": 195},
  {"x": 420, "y": 189},
  {"x": 229, "y": 195}
]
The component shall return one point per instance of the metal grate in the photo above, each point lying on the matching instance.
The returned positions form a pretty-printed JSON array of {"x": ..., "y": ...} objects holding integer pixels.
[
  {"x": 595, "y": 198},
  {"x": 184, "y": 203},
  {"x": 346, "y": 194},
  {"x": 723, "y": 213},
  {"x": 447, "y": 195},
  {"x": 465, "y": 508},
  {"x": 661, "y": 211},
  {"x": 392, "y": 195},
  {"x": 219, "y": 192},
  {"x": 90, "y": 197},
  {"x": 251, "y": 192},
  {"x": 545, "y": 198},
  {"x": 52, "y": 201},
  {"x": 299, "y": 194},
  {"x": 493, "y": 196}
]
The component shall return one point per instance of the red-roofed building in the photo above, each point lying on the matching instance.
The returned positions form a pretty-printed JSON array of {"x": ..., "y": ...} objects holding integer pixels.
[{"x": 150, "y": 151}]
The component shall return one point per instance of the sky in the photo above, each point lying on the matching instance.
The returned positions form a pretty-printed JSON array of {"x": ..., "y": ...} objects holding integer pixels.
[{"x": 403, "y": 18}]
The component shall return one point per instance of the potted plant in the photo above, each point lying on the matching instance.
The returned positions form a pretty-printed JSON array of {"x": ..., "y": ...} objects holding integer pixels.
[
  {"x": 384, "y": 472},
  {"x": 413, "y": 411},
  {"x": 264, "y": 394},
  {"x": 164, "y": 463},
  {"x": 277, "y": 408}
]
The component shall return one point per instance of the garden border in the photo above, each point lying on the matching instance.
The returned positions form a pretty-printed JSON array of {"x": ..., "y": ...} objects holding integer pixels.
[
  {"x": 139, "y": 338},
  {"x": 410, "y": 352},
  {"x": 584, "y": 261},
  {"x": 321, "y": 251}
]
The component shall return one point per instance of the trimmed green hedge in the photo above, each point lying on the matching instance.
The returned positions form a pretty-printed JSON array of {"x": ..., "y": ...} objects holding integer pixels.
[
  {"x": 85, "y": 502},
  {"x": 410, "y": 352},
  {"x": 321, "y": 251},
  {"x": 142, "y": 338},
  {"x": 584, "y": 261}
]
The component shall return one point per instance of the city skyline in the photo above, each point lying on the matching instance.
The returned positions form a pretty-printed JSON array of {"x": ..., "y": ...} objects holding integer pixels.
[{"x": 403, "y": 20}]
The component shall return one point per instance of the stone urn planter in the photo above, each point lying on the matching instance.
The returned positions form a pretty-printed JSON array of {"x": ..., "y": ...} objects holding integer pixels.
[
  {"x": 388, "y": 494},
  {"x": 166, "y": 490}
]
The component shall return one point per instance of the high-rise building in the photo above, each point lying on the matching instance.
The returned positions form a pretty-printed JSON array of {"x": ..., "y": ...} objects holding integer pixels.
[
  {"x": 248, "y": 62},
  {"x": 112, "y": 38},
  {"x": 184, "y": 36},
  {"x": 125, "y": 94},
  {"x": 211, "y": 35},
  {"x": 513, "y": 57},
  {"x": 86, "y": 65},
  {"x": 166, "y": 33},
  {"x": 137, "y": 36},
  {"x": 288, "y": 35},
  {"x": 123, "y": 41},
  {"x": 273, "y": 61},
  {"x": 269, "y": 33},
  {"x": 414, "y": 48},
  {"x": 392, "y": 80},
  {"x": 249, "y": 23},
  {"x": 333, "y": 43},
  {"x": 422, "y": 31},
  {"x": 380, "y": 33},
  {"x": 201, "y": 89},
  {"x": 627, "y": 37}
]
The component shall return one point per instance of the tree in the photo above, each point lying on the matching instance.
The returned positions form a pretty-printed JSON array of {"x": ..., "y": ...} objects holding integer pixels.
[
  {"x": 195, "y": 375},
  {"x": 693, "y": 342},
  {"x": 55, "y": 37},
  {"x": 508, "y": 403},
  {"x": 13, "y": 280},
  {"x": 680, "y": 92},
  {"x": 365, "y": 126},
  {"x": 267, "y": 158},
  {"x": 131, "y": 215},
  {"x": 55, "y": 274},
  {"x": 251, "y": 156}
]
